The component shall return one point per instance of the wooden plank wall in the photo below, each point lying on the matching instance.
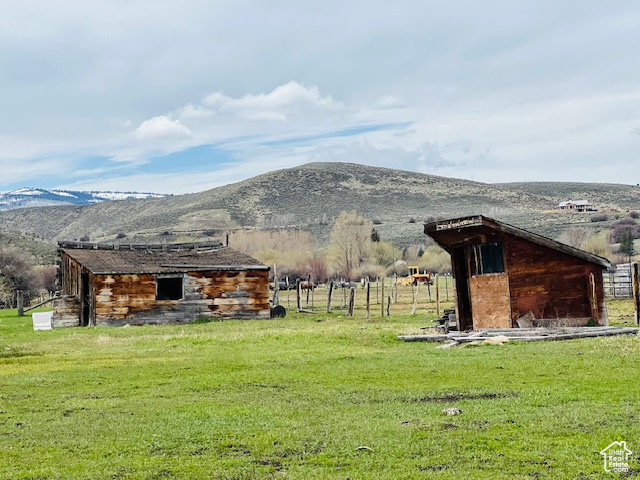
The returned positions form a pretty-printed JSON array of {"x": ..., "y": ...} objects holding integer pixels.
[
  {"x": 66, "y": 311},
  {"x": 551, "y": 284},
  {"x": 70, "y": 272},
  {"x": 122, "y": 299}
]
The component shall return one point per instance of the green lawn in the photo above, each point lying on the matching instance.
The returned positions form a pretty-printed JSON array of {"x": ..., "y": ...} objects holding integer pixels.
[{"x": 295, "y": 398}]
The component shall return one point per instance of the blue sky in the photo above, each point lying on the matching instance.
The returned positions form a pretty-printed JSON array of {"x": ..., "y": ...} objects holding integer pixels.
[{"x": 182, "y": 96}]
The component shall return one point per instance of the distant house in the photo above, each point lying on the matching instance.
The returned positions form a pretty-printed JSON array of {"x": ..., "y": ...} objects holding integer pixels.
[
  {"x": 577, "y": 206},
  {"x": 508, "y": 277},
  {"x": 137, "y": 284}
]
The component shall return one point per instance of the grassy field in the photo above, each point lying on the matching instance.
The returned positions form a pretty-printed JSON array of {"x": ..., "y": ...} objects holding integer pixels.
[{"x": 296, "y": 397}]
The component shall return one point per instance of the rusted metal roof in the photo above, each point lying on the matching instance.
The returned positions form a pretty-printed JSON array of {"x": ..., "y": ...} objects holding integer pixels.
[
  {"x": 151, "y": 259},
  {"x": 457, "y": 231}
]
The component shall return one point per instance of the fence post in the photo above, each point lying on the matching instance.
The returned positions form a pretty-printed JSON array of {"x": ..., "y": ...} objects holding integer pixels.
[
  {"x": 636, "y": 291},
  {"x": 276, "y": 287},
  {"x": 395, "y": 295},
  {"x": 368, "y": 297},
  {"x": 415, "y": 299},
  {"x": 298, "y": 299},
  {"x": 382, "y": 300},
  {"x": 437, "y": 282},
  {"x": 20, "y": 302},
  {"x": 446, "y": 285},
  {"x": 352, "y": 301},
  {"x": 329, "y": 295}
]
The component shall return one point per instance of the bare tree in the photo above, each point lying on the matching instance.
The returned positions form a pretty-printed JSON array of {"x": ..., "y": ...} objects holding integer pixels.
[
  {"x": 575, "y": 236},
  {"x": 16, "y": 272},
  {"x": 46, "y": 277},
  {"x": 350, "y": 242}
]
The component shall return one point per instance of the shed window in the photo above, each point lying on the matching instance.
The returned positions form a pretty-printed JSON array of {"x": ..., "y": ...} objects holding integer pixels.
[
  {"x": 169, "y": 288},
  {"x": 487, "y": 258}
]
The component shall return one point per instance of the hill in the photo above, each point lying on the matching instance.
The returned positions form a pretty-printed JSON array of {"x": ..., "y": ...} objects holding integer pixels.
[
  {"x": 609, "y": 196},
  {"x": 309, "y": 197}
]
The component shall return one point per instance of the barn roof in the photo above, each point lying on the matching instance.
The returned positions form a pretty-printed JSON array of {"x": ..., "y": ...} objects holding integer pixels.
[
  {"x": 102, "y": 259},
  {"x": 456, "y": 231}
]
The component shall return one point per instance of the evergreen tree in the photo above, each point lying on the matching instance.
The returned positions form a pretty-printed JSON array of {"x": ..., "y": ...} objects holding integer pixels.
[{"x": 626, "y": 244}]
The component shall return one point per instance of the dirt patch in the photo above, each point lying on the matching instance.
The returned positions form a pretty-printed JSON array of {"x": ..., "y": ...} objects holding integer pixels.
[
  {"x": 10, "y": 353},
  {"x": 456, "y": 397},
  {"x": 432, "y": 468},
  {"x": 270, "y": 463}
]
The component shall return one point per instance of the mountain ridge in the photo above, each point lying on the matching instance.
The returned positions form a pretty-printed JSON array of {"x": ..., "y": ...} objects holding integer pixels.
[
  {"x": 310, "y": 197},
  {"x": 27, "y": 197}
]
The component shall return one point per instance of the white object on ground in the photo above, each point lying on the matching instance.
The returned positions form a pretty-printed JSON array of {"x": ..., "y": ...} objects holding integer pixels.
[{"x": 42, "y": 320}]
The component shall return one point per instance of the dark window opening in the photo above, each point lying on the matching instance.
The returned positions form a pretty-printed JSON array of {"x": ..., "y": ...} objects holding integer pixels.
[
  {"x": 169, "y": 288},
  {"x": 487, "y": 258}
]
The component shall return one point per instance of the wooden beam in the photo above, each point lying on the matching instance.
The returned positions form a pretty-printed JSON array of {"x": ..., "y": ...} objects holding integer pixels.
[{"x": 588, "y": 332}]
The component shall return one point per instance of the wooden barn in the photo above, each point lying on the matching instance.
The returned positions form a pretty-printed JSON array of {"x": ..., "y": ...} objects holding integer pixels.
[
  {"x": 137, "y": 284},
  {"x": 507, "y": 277}
]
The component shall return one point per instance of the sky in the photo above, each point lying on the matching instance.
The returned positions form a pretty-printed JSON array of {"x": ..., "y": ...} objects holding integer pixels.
[{"x": 182, "y": 96}]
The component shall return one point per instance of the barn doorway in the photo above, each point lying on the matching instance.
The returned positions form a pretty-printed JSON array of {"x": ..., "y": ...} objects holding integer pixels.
[
  {"x": 85, "y": 307},
  {"x": 461, "y": 275}
]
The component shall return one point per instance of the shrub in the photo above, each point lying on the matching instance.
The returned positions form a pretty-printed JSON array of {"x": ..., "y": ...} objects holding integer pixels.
[
  {"x": 84, "y": 238},
  {"x": 575, "y": 236},
  {"x": 412, "y": 220},
  {"x": 209, "y": 233},
  {"x": 598, "y": 245},
  {"x": 634, "y": 214},
  {"x": 166, "y": 233},
  {"x": 624, "y": 227},
  {"x": 121, "y": 235},
  {"x": 600, "y": 217},
  {"x": 317, "y": 267},
  {"x": 377, "y": 222}
]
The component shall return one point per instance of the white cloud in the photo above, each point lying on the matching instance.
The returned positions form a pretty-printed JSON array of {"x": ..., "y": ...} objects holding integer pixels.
[
  {"x": 289, "y": 100},
  {"x": 389, "y": 102},
  {"x": 268, "y": 116},
  {"x": 162, "y": 127},
  {"x": 194, "y": 112}
]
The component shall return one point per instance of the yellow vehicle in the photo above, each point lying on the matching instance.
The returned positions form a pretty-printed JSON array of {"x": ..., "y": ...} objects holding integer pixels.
[{"x": 416, "y": 277}]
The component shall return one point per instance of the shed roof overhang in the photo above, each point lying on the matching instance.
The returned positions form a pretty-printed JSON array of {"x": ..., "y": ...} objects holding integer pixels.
[{"x": 459, "y": 231}]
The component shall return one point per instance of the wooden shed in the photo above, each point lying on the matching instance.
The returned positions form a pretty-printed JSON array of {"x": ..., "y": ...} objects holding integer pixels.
[
  {"x": 136, "y": 284},
  {"x": 508, "y": 277}
]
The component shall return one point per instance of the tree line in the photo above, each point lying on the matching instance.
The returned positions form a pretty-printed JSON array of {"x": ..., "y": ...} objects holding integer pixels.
[{"x": 354, "y": 250}]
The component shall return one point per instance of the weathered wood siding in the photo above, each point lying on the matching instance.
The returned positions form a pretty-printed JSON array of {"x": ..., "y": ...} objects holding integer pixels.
[
  {"x": 551, "y": 284},
  {"x": 71, "y": 272},
  {"x": 491, "y": 301},
  {"x": 234, "y": 294},
  {"x": 66, "y": 311},
  {"x": 122, "y": 299}
]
